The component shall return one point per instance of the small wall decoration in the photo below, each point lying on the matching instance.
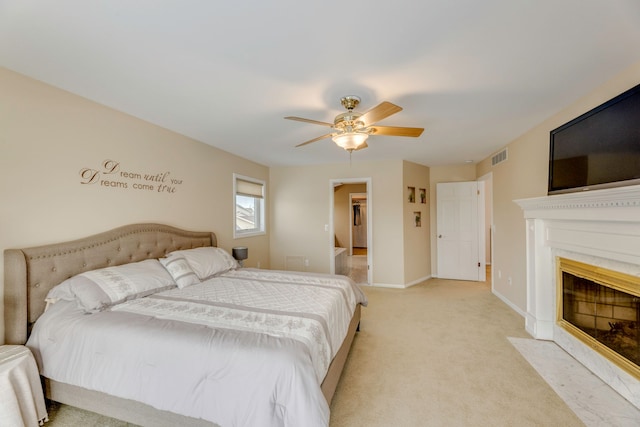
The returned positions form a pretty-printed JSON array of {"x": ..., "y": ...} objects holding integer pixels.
[
  {"x": 423, "y": 195},
  {"x": 418, "y": 218},
  {"x": 412, "y": 194},
  {"x": 110, "y": 175}
]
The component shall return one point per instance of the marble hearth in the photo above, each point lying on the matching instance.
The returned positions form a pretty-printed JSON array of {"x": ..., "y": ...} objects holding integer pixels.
[{"x": 600, "y": 228}]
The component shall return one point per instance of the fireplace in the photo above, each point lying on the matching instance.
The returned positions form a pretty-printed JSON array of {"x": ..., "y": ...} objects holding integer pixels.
[
  {"x": 601, "y": 307},
  {"x": 591, "y": 239}
]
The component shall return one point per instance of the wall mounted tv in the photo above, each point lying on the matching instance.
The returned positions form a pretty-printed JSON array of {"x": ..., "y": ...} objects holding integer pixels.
[{"x": 599, "y": 149}]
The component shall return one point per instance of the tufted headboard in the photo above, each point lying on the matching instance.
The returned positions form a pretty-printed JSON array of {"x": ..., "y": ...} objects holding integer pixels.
[{"x": 30, "y": 273}]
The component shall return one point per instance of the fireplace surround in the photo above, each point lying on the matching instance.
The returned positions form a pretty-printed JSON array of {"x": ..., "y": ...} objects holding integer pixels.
[{"x": 599, "y": 228}]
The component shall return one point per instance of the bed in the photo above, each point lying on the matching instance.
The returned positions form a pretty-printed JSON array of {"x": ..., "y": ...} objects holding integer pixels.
[{"x": 306, "y": 391}]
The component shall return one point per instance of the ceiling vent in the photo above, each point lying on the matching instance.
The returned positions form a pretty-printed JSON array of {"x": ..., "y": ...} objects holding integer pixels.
[{"x": 499, "y": 157}]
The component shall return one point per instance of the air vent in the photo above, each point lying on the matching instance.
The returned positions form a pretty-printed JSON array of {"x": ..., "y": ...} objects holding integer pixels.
[{"x": 499, "y": 158}]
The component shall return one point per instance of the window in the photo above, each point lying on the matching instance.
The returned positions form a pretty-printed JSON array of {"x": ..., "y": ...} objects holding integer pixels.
[{"x": 248, "y": 194}]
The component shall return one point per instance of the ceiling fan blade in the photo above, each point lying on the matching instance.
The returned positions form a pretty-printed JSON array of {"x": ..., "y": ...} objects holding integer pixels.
[
  {"x": 396, "y": 131},
  {"x": 315, "y": 139},
  {"x": 300, "y": 119},
  {"x": 379, "y": 112},
  {"x": 362, "y": 146}
]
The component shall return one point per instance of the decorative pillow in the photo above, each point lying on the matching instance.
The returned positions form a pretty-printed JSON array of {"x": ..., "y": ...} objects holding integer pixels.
[
  {"x": 98, "y": 289},
  {"x": 207, "y": 261},
  {"x": 180, "y": 270}
]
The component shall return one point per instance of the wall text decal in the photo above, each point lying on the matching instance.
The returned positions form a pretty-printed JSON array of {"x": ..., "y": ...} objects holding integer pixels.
[{"x": 110, "y": 175}]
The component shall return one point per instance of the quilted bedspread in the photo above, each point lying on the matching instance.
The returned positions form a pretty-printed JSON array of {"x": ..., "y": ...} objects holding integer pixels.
[{"x": 246, "y": 348}]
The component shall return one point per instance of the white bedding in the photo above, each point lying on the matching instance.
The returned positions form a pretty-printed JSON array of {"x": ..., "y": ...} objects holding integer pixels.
[{"x": 194, "y": 352}]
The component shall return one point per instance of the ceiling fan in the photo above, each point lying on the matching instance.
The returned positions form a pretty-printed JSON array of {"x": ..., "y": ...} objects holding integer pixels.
[{"x": 351, "y": 129}]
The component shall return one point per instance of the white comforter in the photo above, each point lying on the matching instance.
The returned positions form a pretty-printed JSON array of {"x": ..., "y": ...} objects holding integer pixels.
[{"x": 247, "y": 348}]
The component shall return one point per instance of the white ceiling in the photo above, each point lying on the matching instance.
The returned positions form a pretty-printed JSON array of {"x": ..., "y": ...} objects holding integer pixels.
[{"x": 475, "y": 74}]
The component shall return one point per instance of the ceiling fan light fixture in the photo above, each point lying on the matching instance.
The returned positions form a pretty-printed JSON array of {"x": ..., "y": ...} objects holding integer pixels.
[
  {"x": 351, "y": 129},
  {"x": 350, "y": 140}
]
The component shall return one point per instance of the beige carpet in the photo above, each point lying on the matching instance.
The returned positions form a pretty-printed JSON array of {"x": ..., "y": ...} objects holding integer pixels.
[{"x": 436, "y": 354}]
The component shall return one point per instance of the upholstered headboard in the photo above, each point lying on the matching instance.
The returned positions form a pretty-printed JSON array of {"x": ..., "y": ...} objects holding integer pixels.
[{"x": 30, "y": 273}]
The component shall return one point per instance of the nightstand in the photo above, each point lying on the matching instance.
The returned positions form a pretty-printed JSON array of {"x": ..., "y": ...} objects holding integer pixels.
[{"x": 20, "y": 388}]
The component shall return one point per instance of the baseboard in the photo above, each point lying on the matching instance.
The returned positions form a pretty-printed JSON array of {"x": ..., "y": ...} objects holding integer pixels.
[
  {"x": 415, "y": 282},
  {"x": 387, "y": 285},
  {"x": 509, "y": 303},
  {"x": 397, "y": 286}
]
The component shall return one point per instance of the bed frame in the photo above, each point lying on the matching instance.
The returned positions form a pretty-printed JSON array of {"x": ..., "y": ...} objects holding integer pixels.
[{"x": 31, "y": 272}]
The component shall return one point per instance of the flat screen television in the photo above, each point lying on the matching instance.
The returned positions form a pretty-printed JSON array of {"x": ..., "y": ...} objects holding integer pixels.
[{"x": 599, "y": 149}]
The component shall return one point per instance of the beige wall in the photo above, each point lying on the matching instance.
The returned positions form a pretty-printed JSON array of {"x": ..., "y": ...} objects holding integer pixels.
[
  {"x": 524, "y": 175},
  {"x": 453, "y": 173},
  {"x": 300, "y": 209},
  {"x": 47, "y": 136},
  {"x": 300, "y": 203},
  {"x": 417, "y": 250}
]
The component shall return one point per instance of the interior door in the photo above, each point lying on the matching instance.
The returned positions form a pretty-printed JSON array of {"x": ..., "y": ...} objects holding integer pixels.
[{"x": 460, "y": 236}]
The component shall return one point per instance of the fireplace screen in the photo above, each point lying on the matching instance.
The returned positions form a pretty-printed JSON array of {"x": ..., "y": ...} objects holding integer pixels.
[{"x": 609, "y": 316}]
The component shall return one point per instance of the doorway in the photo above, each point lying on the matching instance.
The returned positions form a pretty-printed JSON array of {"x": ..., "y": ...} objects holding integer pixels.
[
  {"x": 488, "y": 222},
  {"x": 351, "y": 229}
]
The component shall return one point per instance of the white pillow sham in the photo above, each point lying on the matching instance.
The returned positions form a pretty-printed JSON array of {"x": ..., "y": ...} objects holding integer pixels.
[
  {"x": 98, "y": 289},
  {"x": 207, "y": 261},
  {"x": 180, "y": 270}
]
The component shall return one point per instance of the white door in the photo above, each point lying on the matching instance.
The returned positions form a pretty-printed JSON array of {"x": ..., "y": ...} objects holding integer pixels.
[{"x": 460, "y": 236}]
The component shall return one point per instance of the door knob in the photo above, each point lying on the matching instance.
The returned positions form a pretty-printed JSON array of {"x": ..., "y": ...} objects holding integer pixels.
[{"x": 439, "y": 236}]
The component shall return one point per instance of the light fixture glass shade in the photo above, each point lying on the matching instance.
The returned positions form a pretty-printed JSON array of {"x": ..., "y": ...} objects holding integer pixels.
[{"x": 350, "y": 141}]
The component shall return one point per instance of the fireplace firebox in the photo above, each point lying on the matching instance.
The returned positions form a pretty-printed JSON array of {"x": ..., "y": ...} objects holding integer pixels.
[{"x": 602, "y": 308}]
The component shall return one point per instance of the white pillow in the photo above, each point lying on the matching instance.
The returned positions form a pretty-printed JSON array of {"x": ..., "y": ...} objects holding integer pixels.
[
  {"x": 207, "y": 261},
  {"x": 98, "y": 289},
  {"x": 180, "y": 270}
]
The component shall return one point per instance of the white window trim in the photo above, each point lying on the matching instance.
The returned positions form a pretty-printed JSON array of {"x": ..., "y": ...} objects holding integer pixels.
[{"x": 238, "y": 234}]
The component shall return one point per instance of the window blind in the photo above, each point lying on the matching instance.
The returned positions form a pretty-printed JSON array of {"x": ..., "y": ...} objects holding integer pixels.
[{"x": 249, "y": 188}]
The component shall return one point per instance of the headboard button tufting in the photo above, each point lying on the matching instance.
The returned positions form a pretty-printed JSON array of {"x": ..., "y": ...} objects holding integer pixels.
[{"x": 61, "y": 261}]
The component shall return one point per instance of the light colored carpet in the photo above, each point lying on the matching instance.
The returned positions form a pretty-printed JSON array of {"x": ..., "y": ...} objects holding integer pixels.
[{"x": 436, "y": 354}]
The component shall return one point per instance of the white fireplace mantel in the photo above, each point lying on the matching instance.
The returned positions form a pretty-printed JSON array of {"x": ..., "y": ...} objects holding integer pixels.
[
  {"x": 623, "y": 203},
  {"x": 598, "y": 227}
]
